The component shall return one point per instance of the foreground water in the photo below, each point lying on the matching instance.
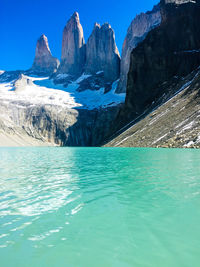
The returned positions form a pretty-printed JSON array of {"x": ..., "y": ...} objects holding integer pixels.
[{"x": 99, "y": 207}]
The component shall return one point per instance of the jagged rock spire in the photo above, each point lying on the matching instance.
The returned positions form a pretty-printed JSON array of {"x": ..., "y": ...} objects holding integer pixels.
[
  {"x": 44, "y": 62},
  {"x": 73, "y": 48},
  {"x": 102, "y": 53}
]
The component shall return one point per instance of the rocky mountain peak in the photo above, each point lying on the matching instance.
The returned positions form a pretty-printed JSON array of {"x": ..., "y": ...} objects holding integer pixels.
[
  {"x": 75, "y": 16},
  {"x": 102, "y": 53},
  {"x": 136, "y": 33},
  {"x": 106, "y": 26},
  {"x": 44, "y": 62},
  {"x": 73, "y": 52},
  {"x": 97, "y": 25},
  {"x": 42, "y": 47}
]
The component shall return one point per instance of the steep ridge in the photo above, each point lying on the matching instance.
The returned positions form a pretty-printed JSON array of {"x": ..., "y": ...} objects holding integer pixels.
[
  {"x": 170, "y": 50},
  {"x": 159, "y": 64},
  {"x": 44, "y": 63},
  {"x": 136, "y": 33},
  {"x": 175, "y": 123}
]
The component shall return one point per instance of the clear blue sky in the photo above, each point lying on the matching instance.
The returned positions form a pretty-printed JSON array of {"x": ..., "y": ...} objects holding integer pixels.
[{"x": 23, "y": 21}]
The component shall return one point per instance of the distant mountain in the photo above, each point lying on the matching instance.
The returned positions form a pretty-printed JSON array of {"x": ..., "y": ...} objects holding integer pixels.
[{"x": 81, "y": 101}]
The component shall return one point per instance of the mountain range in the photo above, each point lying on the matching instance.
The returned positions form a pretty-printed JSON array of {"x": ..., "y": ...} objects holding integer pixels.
[{"x": 93, "y": 97}]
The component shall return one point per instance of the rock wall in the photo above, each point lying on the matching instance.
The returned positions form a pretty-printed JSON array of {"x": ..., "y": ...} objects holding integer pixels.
[
  {"x": 171, "y": 50},
  {"x": 102, "y": 53},
  {"x": 136, "y": 33}
]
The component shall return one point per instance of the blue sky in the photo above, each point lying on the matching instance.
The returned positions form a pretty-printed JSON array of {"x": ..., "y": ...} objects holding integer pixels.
[{"x": 23, "y": 21}]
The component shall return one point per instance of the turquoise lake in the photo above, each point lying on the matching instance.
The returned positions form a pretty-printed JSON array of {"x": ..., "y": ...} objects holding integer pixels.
[{"x": 95, "y": 207}]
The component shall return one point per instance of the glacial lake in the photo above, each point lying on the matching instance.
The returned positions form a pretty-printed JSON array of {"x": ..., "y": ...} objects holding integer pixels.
[{"x": 99, "y": 207}]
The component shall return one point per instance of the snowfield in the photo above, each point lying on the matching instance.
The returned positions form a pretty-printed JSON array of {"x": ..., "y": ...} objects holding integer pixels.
[{"x": 44, "y": 91}]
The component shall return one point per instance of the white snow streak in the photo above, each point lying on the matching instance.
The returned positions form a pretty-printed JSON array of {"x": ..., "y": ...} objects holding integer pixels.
[{"x": 44, "y": 91}]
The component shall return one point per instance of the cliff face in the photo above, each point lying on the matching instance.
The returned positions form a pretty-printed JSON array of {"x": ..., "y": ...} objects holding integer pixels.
[
  {"x": 44, "y": 62},
  {"x": 73, "y": 47},
  {"x": 136, "y": 33},
  {"x": 102, "y": 53},
  {"x": 168, "y": 51},
  {"x": 24, "y": 124}
]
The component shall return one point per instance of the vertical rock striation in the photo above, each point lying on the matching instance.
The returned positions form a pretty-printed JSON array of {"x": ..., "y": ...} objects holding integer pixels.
[
  {"x": 137, "y": 32},
  {"x": 102, "y": 53},
  {"x": 44, "y": 62},
  {"x": 171, "y": 50},
  {"x": 73, "y": 47}
]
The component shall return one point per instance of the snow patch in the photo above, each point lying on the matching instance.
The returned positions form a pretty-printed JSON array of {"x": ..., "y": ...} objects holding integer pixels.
[
  {"x": 62, "y": 76},
  {"x": 99, "y": 72},
  {"x": 82, "y": 77},
  {"x": 189, "y": 144},
  {"x": 188, "y": 51},
  {"x": 187, "y": 127},
  {"x": 162, "y": 137}
]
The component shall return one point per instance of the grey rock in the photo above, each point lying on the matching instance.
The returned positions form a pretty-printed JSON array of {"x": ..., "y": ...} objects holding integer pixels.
[
  {"x": 73, "y": 47},
  {"x": 22, "y": 124},
  {"x": 175, "y": 123},
  {"x": 102, "y": 53},
  {"x": 44, "y": 62},
  {"x": 136, "y": 33}
]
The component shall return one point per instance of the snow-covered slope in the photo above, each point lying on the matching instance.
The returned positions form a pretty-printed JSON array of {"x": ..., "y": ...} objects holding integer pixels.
[
  {"x": 44, "y": 91},
  {"x": 35, "y": 111}
]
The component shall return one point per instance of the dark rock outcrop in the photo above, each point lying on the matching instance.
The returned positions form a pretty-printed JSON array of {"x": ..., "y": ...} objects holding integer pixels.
[
  {"x": 171, "y": 50},
  {"x": 136, "y": 33},
  {"x": 102, "y": 53},
  {"x": 44, "y": 62},
  {"x": 73, "y": 47}
]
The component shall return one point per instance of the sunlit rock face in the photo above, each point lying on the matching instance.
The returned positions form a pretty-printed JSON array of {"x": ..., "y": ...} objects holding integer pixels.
[
  {"x": 136, "y": 33},
  {"x": 44, "y": 62},
  {"x": 73, "y": 47},
  {"x": 102, "y": 53}
]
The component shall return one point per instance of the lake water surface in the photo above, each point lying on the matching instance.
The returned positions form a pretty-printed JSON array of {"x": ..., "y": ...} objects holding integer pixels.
[{"x": 95, "y": 207}]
